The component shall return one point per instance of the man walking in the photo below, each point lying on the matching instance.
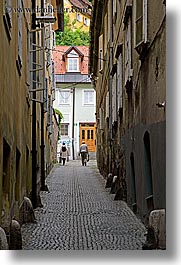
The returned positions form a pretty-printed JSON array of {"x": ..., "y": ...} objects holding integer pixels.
[{"x": 84, "y": 152}]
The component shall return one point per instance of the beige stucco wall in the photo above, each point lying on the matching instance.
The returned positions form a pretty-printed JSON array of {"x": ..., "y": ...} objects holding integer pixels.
[{"x": 14, "y": 118}]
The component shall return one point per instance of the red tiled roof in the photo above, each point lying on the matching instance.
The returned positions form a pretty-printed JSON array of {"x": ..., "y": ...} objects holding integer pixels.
[{"x": 60, "y": 64}]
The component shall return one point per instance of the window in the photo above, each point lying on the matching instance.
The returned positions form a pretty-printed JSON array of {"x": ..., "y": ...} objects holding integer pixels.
[
  {"x": 6, "y": 167},
  {"x": 78, "y": 17},
  {"x": 100, "y": 60},
  {"x": 83, "y": 134},
  {"x": 119, "y": 58},
  {"x": 50, "y": 111},
  {"x": 107, "y": 105},
  {"x": 127, "y": 49},
  {"x": 101, "y": 117},
  {"x": 8, "y": 16},
  {"x": 114, "y": 97},
  {"x": 140, "y": 22},
  {"x": 90, "y": 134},
  {"x": 64, "y": 129},
  {"x": 19, "y": 59},
  {"x": 64, "y": 97},
  {"x": 89, "y": 97},
  {"x": 45, "y": 96},
  {"x": 85, "y": 21},
  {"x": 73, "y": 62},
  {"x": 114, "y": 10}
]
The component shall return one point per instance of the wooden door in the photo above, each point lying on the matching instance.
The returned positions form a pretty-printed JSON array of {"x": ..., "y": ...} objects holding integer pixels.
[{"x": 88, "y": 134}]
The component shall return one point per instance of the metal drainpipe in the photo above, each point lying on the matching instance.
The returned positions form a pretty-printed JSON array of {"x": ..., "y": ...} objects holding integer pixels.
[
  {"x": 110, "y": 82},
  {"x": 34, "y": 151},
  {"x": 43, "y": 186},
  {"x": 73, "y": 120}
]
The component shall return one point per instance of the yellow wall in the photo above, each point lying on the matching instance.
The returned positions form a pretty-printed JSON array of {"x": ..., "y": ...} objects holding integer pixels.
[
  {"x": 15, "y": 129},
  {"x": 73, "y": 15},
  {"x": 16, "y": 116}
]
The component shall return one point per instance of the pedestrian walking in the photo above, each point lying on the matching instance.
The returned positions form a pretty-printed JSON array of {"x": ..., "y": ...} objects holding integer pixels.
[
  {"x": 64, "y": 153},
  {"x": 84, "y": 152}
]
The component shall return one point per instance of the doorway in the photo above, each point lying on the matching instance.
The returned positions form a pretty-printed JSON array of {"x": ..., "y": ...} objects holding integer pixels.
[
  {"x": 148, "y": 172},
  {"x": 133, "y": 182},
  {"x": 88, "y": 134}
]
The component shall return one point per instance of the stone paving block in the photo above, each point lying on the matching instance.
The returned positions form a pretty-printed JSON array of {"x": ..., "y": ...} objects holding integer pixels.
[{"x": 80, "y": 214}]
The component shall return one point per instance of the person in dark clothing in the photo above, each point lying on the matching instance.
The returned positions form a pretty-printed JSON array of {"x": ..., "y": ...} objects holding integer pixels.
[{"x": 64, "y": 153}]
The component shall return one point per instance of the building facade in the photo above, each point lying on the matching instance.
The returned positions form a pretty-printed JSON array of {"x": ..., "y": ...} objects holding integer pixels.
[
  {"x": 128, "y": 67},
  {"x": 75, "y": 98},
  {"x": 79, "y": 13},
  {"x": 26, "y": 96}
]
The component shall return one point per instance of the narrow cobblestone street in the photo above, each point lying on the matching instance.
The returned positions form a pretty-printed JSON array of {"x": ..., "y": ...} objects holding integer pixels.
[{"x": 80, "y": 214}]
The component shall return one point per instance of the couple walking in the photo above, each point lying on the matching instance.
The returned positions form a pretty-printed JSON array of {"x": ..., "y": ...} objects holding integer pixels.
[{"x": 84, "y": 153}]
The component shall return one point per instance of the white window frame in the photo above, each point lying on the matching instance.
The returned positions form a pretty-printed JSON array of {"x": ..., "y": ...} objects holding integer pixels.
[
  {"x": 73, "y": 60},
  {"x": 64, "y": 97},
  {"x": 89, "y": 102},
  {"x": 144, "y": 17}
]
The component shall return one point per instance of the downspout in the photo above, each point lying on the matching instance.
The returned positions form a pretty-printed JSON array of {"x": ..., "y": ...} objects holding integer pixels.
[
  {"x": 73, "y": 120},
  {"x": 43, "y": 186},
  {"x": 34, "y": 151},
  {"x": 110, "y": 82}
]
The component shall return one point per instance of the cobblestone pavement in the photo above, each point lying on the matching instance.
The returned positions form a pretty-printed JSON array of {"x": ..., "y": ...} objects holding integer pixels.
[{"x": 80, "y": 214}]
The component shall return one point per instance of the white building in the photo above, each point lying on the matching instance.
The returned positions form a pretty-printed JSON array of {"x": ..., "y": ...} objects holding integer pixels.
[{"x": 75, "y": 98}]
